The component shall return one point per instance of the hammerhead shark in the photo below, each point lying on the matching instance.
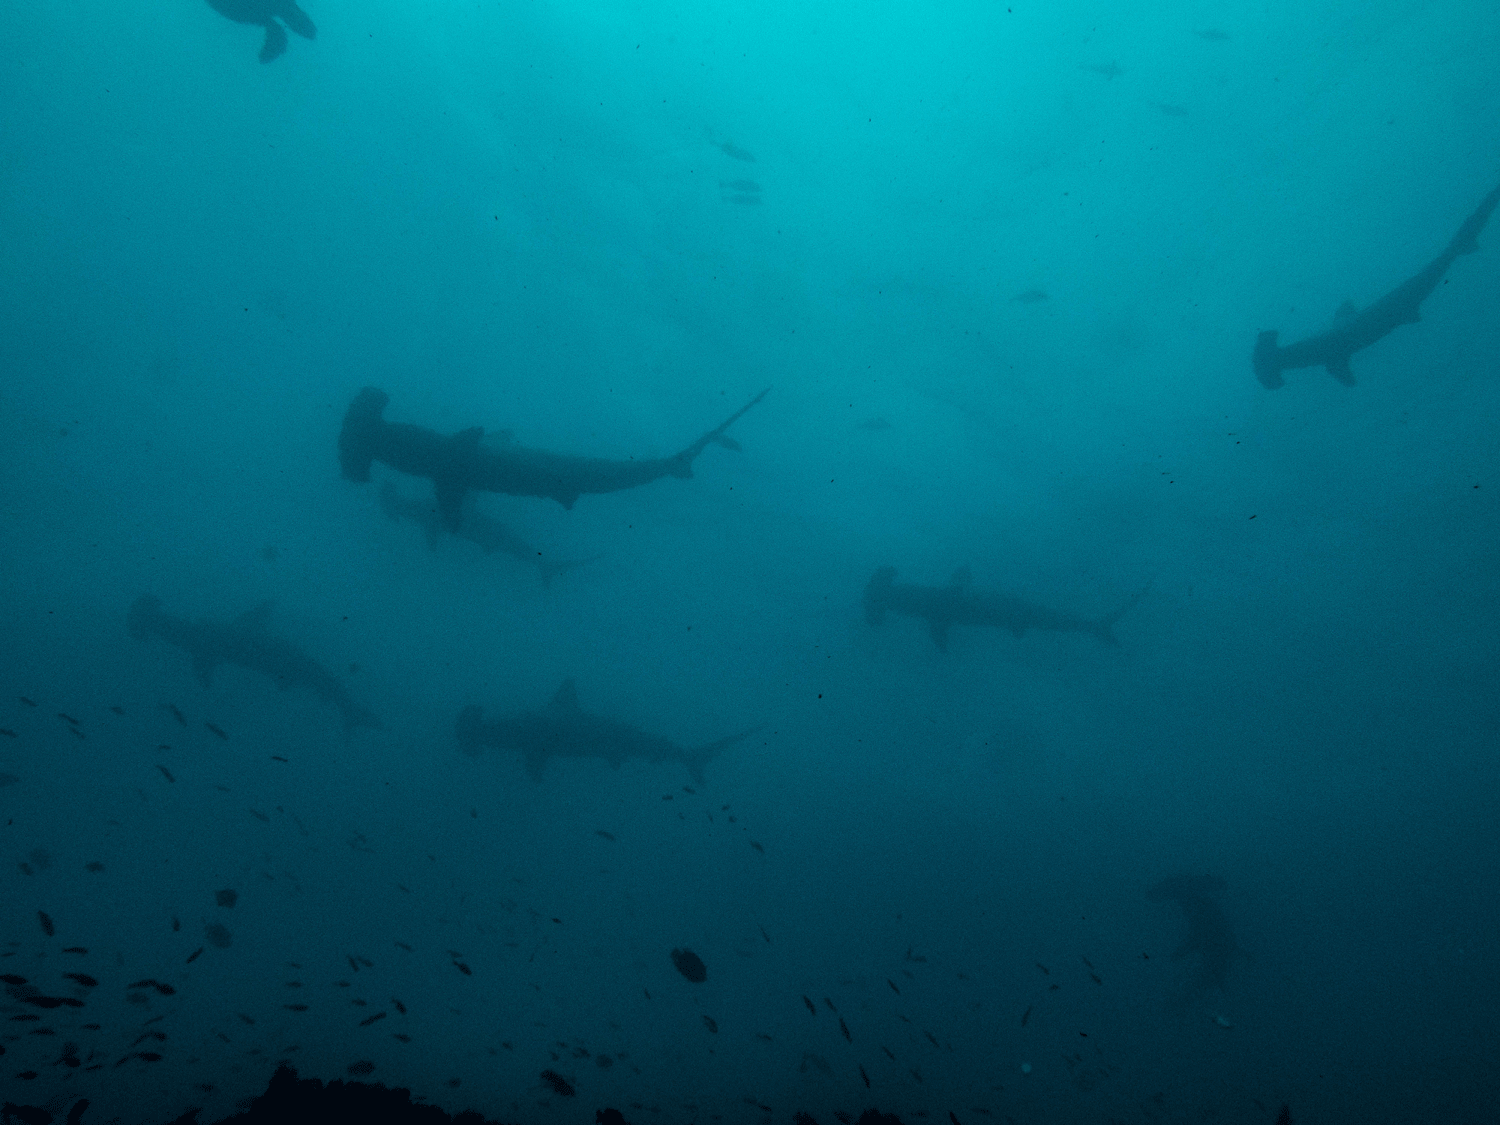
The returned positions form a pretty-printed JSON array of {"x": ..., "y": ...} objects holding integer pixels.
[
  {"x": 489, "y": 533},
  {"x": 1354, "y": 330},
  {"x": 457, "y": 462},
  {"x": 958, "y": 603},
  {"x": 1208, "y": 932},
  {"x": 245, "y": 642},
  {"x": 564, "y": 730}
]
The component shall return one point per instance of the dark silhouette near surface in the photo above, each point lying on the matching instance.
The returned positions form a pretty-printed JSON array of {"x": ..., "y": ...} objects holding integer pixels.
[
  {"x": 458, "y": 462},
  {"x": 958, "y": 603},
  {"x": 488, "y": 533},
  {"x": 1355, "y": 330},
  {"x": 270, "y": 14},
  {"x": 565, "y": 730},
  {"x": 1209, "y": 934},
  {"x": 246, "y": 643}
]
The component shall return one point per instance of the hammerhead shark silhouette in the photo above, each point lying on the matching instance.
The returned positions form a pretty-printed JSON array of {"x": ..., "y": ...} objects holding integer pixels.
[
  {"x": 958, "y": 603},
  {"x": 1355, "y": 330},
  {"x": 489, "y": 533},
  {"x": 1209, "y": 934},
  {"x": 245, "y": 642},
  {"x": 457, "y": 462},
  {"x": 565, "y": 730}
]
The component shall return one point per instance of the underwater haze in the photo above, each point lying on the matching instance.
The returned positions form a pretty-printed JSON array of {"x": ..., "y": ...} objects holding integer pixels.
[{"x": 1027, "y": 711}]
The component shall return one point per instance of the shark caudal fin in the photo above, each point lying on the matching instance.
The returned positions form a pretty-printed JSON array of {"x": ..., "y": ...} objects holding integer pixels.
[
  {"x": 1267, "y": 361},
  {"x": 1104, "y": 628},
  {"x": 470, "y": 730},
  {"x": 683, "y": 462},
  {"x": 362, "y": 421},
  {"x": 697, "y": 759},
  {"x": 877, "y": 592},
  {"x": 1466, "y": 241},
  {"x": 145, "y": 616}
]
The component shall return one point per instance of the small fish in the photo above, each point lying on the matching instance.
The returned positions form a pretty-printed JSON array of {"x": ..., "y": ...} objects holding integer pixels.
[
  {"x": 1171, "y": 110},
  {"x": 844, "y": 1027},
  {"x": 78, "y": 734},
  {"x": 911, "y": 957},
  {"x": 1030, "y": 297},
  {"x": 277, "y": 758},
  {"x": 811, "y": 1007},
  {"x": 79, "y": 949},
  {"x": 1109, "y": 70},
  {"x": 1046, "y": 971},
  {"x": 176, "y": 714},
  {"x": 607, "y": 835},
  {"x": 874, "y": 424},
  {"x": 403, "y": 1038},
  {"x": 1096, "y": 978},
  {"x": 831, "y": 1008},
  {"x": 164, "y": 989},
  {"x": 226, "y": 898},
  {"x": 931, "y": 1038},
  {"x": 118, "y": 710},
  {"x": 28, "y": 702},
  {"x": 1026, "y": 1015},
  {"x": 865, "y": 1076},
  {"x": 560, "y": 1085},
  {"x": 162, "y": 746},
  {"x": 367, "y": 963},
  {"x": 12, "y": 979},
  {"x": 295, "y": 1007},
  {"x": 764, "y": 934},
  {"x": 1212, "y": 34},
  {"x": 892, "y": 983},
  {"x": 403, "y": 945},
  {"x": 158, "y": 1036},
  {"x": 888, "y": 1053},
  {"x": 1086, "y": 961},
  {"x": 176, "y": 923},
  {"x": 83, "y": 978},
  {"x": 8, "y": 732},
  {"x": 217, "y": 730},
  {"x": 361, "y": 1068},
  {"x": 218, "y": 935},
  {"x": 260, "y": 816},
  {"x": 67, "y": 718},
  {"x": 376, "y": 1018},
  {"x": 47, "y": 927},
  {"x": 461, "y": 967},
  {"x": 758, "y": 847},
  {"x": 246, "y": 1019},
  {"x": 166, "y": 773},
  {"x": 709, "y": 1023},
  {"x": 400, "y": 1007}
]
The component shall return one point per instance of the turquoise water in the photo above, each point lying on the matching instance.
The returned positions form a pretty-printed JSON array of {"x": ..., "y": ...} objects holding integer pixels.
[{"x": 1002, "y": 267}]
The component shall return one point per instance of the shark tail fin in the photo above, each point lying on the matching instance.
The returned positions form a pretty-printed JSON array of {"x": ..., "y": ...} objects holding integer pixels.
[
  {"x": 145, "y": 613},
  {"x": 877, "y": 590},
  {"x": 683, "y": 462},
  {"x": 275, "y": 42},
  {"x": 1267, "y": 361},
  {"x": 296, "y": 19},
  {"x": 1105, "y": 627},
  {"x": 362, "y": 421},
  {"x": 470, "y": 730},
  {"x": 699, "y": 758},
  {"x": 1466, "y": 241}
]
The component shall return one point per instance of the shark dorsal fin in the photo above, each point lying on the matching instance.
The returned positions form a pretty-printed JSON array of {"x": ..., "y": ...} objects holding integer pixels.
[
  {"x": 566, "y": 698},
  {"x": 1344, "y": 312},
  {"x": 961, "y": 579},
  {"x": 257, "y": 618}
]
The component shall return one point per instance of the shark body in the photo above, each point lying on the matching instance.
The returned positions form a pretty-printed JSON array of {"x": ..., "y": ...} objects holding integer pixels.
[
  {"x": 1354, "y": 329},
  {"x": 488, "y": 533},
  {"x": 270, "y": 14},
  {"x": 456, "y": 463},
  {"x": 1209, "y": 936},
  {"x": 564, "y": 730},
  {"x": 958, "y": 603},
  {"x": 246, "y": 643}
]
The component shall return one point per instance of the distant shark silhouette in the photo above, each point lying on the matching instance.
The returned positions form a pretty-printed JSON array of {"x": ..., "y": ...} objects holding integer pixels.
[
  {"x": 457, "y": 463},
  {"x": 1209, "y": 935},
  {"x": 267, "y": 13},
  {"x": 564, "y": 730},
  {"x": 1354, "y": 330},
  {"x": 488, "y": 532},
  {"x": 245, "y": 642},
  {"x": 958, "y": 603}
]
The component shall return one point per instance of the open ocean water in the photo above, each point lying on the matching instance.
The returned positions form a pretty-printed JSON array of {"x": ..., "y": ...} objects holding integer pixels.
[{"x": 1030, "y": 709}]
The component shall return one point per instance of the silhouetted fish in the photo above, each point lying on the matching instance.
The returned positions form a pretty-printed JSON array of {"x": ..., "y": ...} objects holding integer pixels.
[{"x": 690, "y": 965}]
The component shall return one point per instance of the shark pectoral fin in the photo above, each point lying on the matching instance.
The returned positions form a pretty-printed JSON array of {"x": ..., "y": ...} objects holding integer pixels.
[
  {"x": 1339, "y": 369},
  {"x": 275, "y": 42},
  {"x": 451, "y": 481},
  {"x": 296, "y": 19},
  {"x": 203, "y": 668},
  {"x": 939, "y": 631},
  {"x": 566, "y": 698}
]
